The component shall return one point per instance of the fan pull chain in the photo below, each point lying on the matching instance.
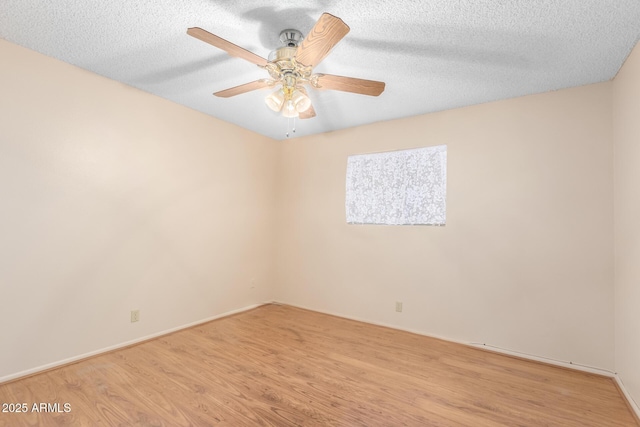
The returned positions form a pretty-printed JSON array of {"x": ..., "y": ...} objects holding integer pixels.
[{"x": 289, "y": 128}]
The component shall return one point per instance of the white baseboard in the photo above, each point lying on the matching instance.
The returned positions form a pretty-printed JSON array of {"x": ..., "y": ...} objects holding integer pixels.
[
  {"x": 632, "y": 403},
  {"x": 549, "y": 361},
  {"x": 67, "y": 361}
]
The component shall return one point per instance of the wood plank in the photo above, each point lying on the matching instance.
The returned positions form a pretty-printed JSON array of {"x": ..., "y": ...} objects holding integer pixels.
[{"x": 284, "y": 366}]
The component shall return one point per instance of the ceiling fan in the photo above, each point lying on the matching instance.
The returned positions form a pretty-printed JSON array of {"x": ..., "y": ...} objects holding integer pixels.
[{"x": 291, "y": 66}]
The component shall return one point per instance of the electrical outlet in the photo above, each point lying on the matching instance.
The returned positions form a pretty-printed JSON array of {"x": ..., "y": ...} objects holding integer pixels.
[
  {"x": 135, "y": 315},
  {"x": 399, "y": 306}
]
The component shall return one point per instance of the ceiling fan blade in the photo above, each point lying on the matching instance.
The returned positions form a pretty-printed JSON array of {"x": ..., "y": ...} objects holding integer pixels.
[
  {"x": 324, "y": 35},
  {"x": 247, "y": 87},
  {"x": 230, "y": 48},
  {"x": 308, "y": 113},
  {"x": 350, "y": 84}
]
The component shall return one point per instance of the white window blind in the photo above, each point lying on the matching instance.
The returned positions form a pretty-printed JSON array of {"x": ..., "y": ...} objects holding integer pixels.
[{"x": 404, "y": 187}]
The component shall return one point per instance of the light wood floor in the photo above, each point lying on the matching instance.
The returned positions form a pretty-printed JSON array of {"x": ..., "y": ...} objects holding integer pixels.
[{"x": 282, "y": 366}]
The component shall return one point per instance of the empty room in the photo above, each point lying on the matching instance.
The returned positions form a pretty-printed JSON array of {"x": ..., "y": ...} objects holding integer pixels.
[{"x": 319, "y": 213}]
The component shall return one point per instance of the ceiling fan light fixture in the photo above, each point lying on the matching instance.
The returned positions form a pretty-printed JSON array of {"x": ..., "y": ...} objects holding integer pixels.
[
  {"x": 300, "y": 101},
  {"x": 291, "y": 102},
  {"x": 275, "y": 100},
  {"x": 289, "y": 109}
]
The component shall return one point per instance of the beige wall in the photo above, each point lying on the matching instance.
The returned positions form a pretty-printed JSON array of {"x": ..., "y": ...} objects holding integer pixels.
[
  {"x": 111, "y": 200},
  {"x": 626, "y": 137},
  {"x": 525, "y": 261}
]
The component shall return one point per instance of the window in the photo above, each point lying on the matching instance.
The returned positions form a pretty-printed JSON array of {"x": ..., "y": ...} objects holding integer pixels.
[{"x": 404, "y": 187}]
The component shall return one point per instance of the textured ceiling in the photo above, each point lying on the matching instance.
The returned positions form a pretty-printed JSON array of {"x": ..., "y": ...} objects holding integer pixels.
[{"x": 433, "y": 54}]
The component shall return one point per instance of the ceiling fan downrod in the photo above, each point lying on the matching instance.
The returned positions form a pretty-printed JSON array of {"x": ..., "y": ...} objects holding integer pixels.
[{"x": 290, "y": 37}]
